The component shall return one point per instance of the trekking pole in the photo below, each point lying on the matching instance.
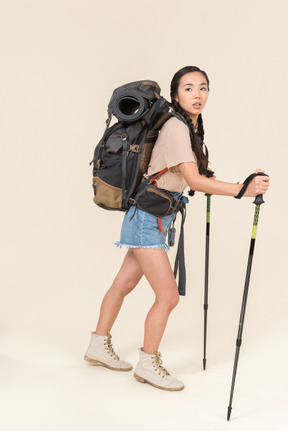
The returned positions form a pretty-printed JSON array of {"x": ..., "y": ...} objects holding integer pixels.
[
  {"x": 209, "y": 174},
  {"x": 205, "y": 306},
  {"x": 258, "y": 201}
]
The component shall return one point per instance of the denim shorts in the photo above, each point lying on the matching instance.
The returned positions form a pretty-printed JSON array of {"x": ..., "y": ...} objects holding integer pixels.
[{"x": 141, "y": 230}]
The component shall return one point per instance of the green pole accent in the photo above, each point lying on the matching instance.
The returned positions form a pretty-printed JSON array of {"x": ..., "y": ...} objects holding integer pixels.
[
  {"x": 254, "y": 231},
  {"x": 208, "y": 209},
  {"x": 255, "y": 223}
]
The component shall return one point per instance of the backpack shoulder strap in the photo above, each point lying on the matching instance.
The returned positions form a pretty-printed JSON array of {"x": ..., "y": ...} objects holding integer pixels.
[{"x": 162, "y": 120}]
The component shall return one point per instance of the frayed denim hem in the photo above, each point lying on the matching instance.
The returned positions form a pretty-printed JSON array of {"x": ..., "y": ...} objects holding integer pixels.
[{"x": 156, "y": 246}]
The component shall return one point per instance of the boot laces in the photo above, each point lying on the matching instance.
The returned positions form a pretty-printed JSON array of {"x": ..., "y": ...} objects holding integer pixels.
[
  {"x": 157, "y": 364},
  {"x": 109, "y": 347}
]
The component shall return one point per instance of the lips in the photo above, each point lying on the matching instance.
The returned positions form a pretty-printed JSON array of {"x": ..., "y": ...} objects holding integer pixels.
[{"x": 196, "y": 105}]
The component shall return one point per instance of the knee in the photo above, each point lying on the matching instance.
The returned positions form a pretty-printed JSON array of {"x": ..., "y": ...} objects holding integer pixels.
[
  {"x": 169, "y": 302},
  {"x": 174, "y": 301},
  {"x": 123, "y": 287}
]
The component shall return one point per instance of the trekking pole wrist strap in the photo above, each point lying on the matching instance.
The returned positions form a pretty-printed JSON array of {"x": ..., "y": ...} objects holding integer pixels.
[
  {"x": 208, "y": 174},
  {"x": 246, "y": 184}
]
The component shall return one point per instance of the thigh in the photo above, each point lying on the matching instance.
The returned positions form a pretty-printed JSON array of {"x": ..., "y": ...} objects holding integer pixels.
[
  {"x": 157, "y": 269},
  {"x": 129, "y": 274}
]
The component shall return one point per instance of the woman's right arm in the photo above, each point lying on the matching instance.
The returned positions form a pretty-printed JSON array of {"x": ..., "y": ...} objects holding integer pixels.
[{"x": 200, "y": 183}]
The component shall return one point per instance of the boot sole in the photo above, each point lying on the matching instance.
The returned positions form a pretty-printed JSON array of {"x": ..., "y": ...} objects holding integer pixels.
[
  {"x": 141, "y": 380},
  {"x": 94, "y": 362}
]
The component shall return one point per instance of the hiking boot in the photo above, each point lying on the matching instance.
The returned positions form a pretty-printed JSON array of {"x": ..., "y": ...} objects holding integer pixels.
[
  {"x": 150, "y": 370},
  {"x": 100, "y": 352}
]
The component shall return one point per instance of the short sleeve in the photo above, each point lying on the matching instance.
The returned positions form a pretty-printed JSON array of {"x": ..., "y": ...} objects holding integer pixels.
[{"x": 177, "y": 143}]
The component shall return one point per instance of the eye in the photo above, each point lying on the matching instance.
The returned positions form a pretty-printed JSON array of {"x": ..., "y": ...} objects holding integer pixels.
[
  {"x": 188, "y": 89},
  {"x": 203, "y": 88}
]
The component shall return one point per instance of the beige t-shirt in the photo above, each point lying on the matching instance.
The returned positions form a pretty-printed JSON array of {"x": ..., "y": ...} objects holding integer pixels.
[{"x": 172, "y": 147}]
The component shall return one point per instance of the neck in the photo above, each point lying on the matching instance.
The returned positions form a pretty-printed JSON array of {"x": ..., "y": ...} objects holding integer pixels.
[{"x": 194, "y": 119}]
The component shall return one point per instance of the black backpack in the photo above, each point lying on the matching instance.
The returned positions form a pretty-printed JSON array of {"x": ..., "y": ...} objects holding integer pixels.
[{"x": 123, "y": 154}]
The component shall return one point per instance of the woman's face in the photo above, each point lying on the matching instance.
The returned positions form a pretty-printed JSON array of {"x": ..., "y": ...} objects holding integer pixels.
[{"x": 193, "y": 93}]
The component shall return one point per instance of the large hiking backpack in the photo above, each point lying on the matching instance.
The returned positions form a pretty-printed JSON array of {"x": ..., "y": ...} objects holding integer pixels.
[{"x": 123, "y": 154}]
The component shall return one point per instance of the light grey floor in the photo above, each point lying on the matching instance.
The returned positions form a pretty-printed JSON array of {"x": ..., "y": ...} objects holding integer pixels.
[{"x": 45, "y": 385}]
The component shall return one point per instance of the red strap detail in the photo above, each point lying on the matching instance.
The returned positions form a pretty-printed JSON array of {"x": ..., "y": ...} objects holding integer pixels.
[
  {"x": 153, "y": 180},
  {"x": 160, "y": 225},
  {"x": 157, "y": 175}
]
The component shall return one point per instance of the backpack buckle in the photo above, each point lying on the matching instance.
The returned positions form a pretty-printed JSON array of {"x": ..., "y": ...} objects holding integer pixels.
[
  {"x": 134, "y": 148},
  {"x": 132, "y": 201}
]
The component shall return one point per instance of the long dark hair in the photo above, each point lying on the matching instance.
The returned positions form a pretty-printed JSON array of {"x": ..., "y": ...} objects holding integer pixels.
[{"x": 202, "y": 160}]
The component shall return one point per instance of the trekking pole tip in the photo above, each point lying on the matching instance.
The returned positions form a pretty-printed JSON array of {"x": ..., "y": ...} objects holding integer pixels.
[
  {"x": 229, "y": 413},
  {"x": 204, "y": 364}
]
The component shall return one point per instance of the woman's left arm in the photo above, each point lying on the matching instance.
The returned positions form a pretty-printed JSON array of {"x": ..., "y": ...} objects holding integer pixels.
[{"x": 200, "y": 183}]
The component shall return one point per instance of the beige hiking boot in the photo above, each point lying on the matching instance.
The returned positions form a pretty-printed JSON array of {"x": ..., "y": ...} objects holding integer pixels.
[
  {"x": 150, "y": 370},
  {"x": 100, "y": 352}
]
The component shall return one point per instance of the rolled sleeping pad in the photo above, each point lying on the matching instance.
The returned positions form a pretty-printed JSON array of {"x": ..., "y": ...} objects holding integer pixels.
[{"x": 129, "y": 106}]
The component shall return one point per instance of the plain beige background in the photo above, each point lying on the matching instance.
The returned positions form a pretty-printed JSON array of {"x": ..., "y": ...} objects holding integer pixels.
[{"x": 60, "y": 61}]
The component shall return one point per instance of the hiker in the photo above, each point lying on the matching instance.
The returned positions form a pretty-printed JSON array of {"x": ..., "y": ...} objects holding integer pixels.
[{"x": 145, "y": 236}]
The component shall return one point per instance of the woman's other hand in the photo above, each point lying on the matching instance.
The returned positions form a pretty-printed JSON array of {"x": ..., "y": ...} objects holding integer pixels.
[{"x": 258, "y": 186}]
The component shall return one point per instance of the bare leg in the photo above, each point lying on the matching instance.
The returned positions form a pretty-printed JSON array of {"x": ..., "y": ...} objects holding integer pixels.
[
  {"x": 157, "y": 269},
  {"x": 127, "y": 278}
]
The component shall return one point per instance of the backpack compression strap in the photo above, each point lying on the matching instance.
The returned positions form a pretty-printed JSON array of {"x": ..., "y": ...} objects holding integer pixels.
[
  {"x": 179, "y": 264},
  {"x": 246, "y": 184}
]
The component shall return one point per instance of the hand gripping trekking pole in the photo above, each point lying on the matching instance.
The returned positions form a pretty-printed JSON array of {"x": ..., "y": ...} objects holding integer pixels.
[
  {"x": 205, "y": 306},
  {"x": 258, "y": 201}
]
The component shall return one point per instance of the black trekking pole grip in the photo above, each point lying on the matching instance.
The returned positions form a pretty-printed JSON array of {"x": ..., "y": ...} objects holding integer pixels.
[
  {"x": 259, "y": 200},
  {"x": 209, "y": 174}
]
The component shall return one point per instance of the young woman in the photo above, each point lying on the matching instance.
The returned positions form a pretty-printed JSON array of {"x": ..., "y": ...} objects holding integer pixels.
[{"x": 147, "y": 243}]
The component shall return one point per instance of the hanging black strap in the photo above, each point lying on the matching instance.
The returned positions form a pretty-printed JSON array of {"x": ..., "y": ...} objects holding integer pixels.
[
  {"x": 124, "y": 137},
  {"x": 247, "y": 182},
  {"x": 180, "y": 257}
]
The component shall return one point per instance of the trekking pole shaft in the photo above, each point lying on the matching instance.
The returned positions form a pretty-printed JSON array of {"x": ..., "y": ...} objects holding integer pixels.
[
  {"x": 206, "y": 277},
  {"x": 240, "y": 329},
  {"x": 258, "y": 201}
]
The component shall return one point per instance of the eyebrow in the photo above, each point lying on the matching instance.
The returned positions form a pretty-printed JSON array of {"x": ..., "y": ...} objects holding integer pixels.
[{"x": 202, "y": 83}]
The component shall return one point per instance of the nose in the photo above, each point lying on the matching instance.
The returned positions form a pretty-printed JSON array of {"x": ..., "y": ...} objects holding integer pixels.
[{"x": 197, "y": 94}]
